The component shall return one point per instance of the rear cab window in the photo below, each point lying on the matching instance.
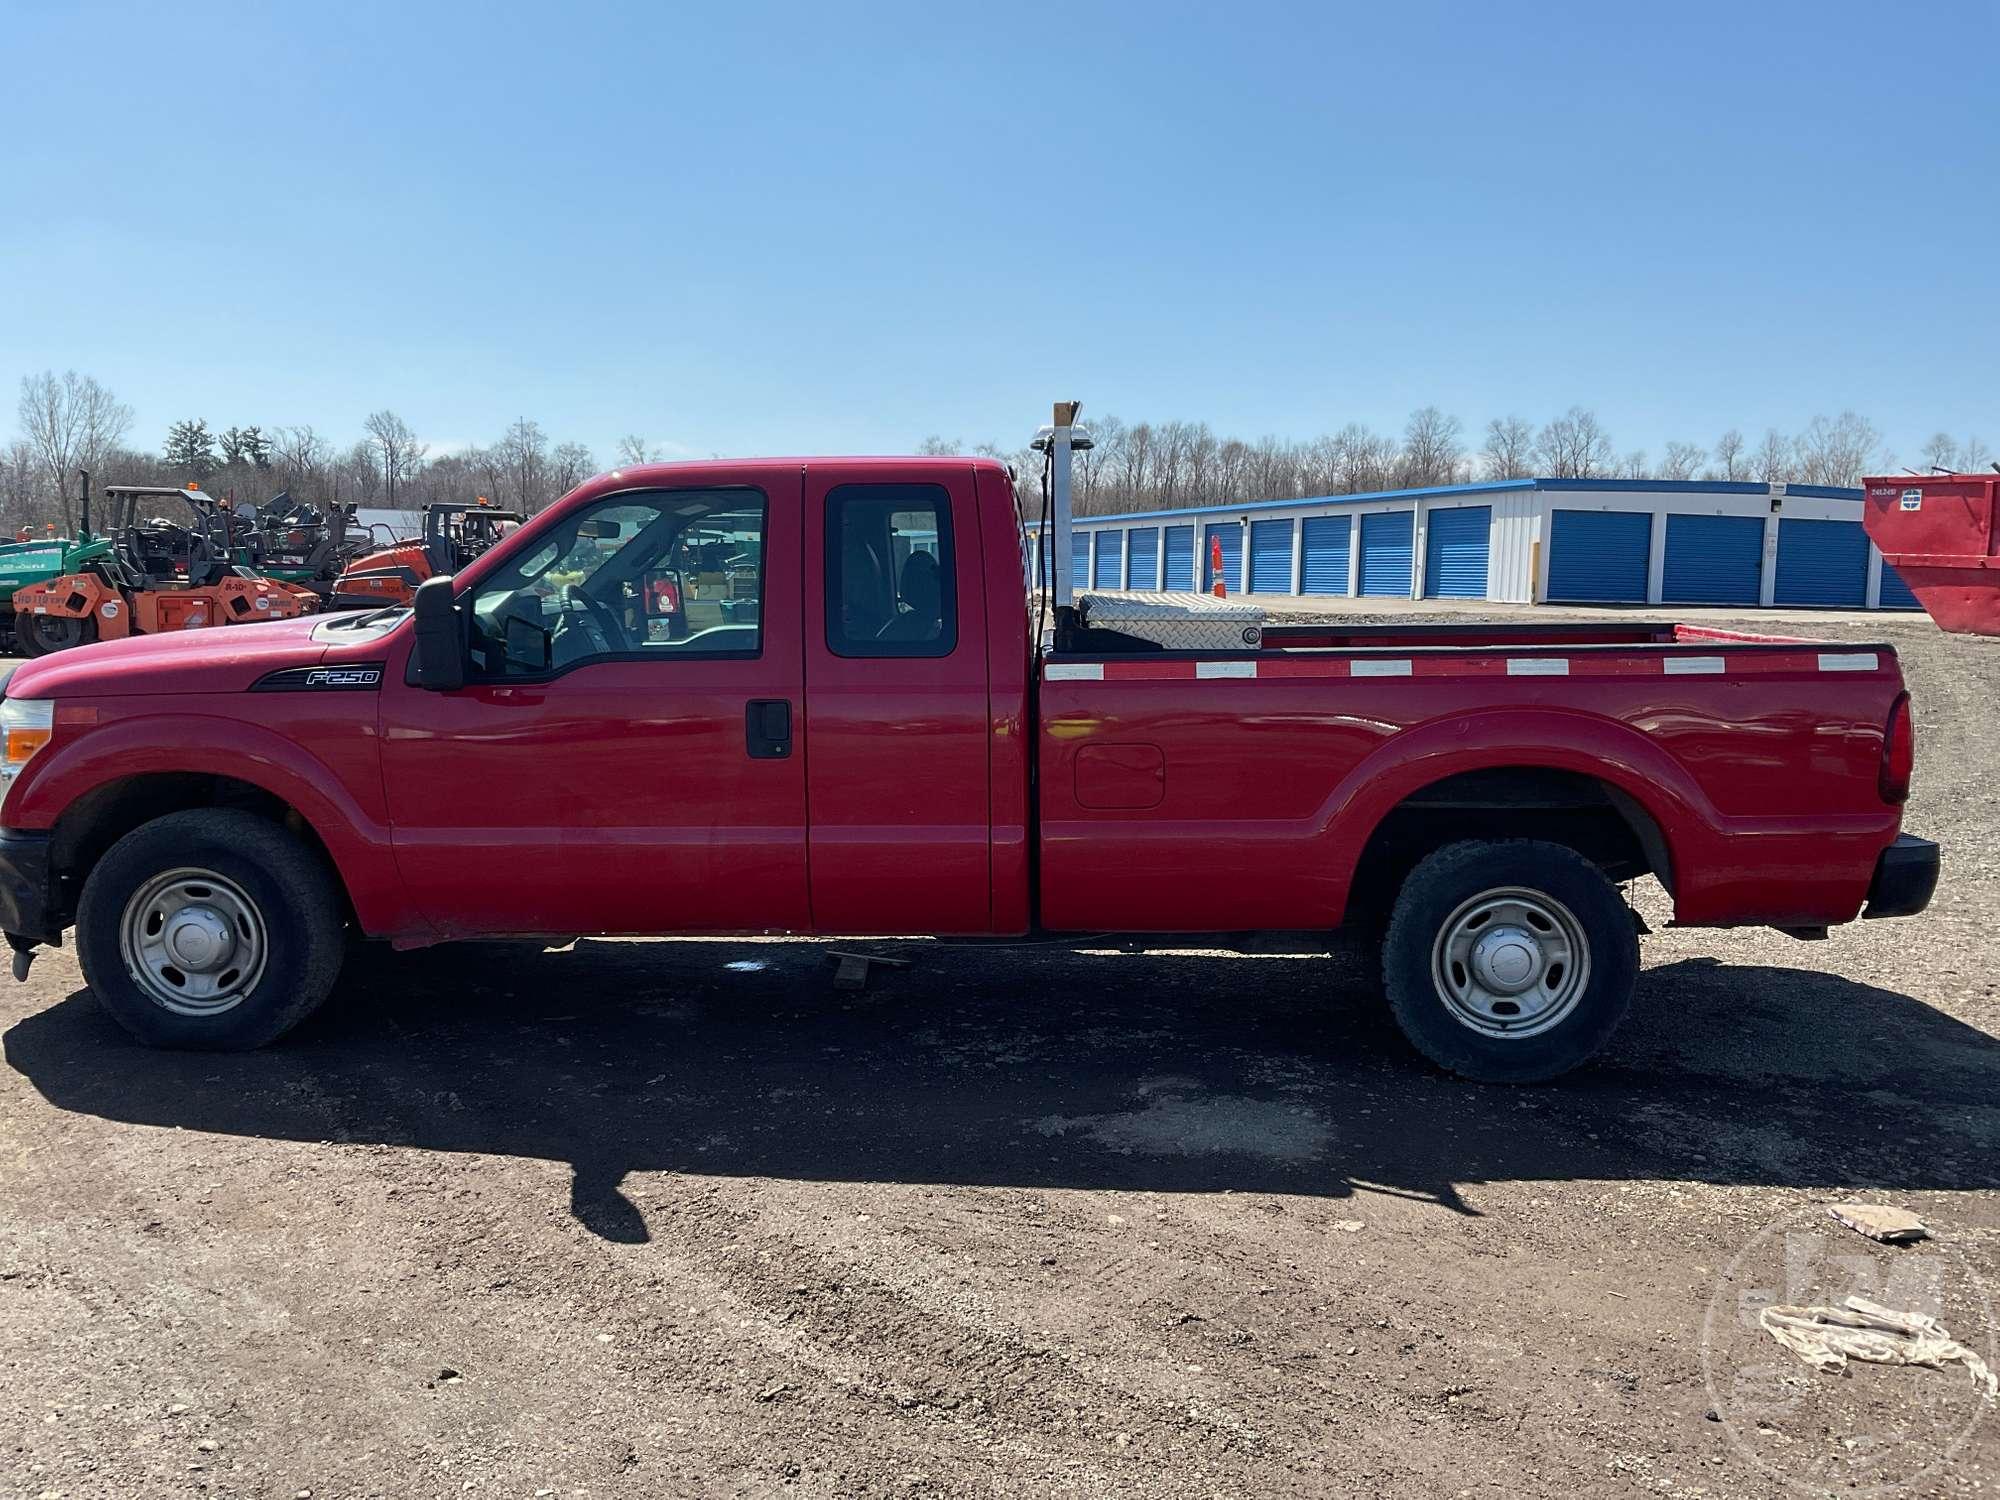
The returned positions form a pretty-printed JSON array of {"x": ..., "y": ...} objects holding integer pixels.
[{"x": 890, "y": 584}]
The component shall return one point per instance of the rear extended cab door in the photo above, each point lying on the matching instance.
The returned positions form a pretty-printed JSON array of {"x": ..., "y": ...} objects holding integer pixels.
[{"x": 898, "y": 717}]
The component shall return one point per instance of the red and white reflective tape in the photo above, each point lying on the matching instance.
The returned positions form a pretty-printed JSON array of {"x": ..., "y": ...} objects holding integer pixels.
[{"x": 1610, "y": 664}]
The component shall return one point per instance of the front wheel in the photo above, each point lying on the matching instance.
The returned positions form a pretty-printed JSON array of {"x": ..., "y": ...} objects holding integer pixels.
[
  {"x": 39, "y": 635},
  {"x": 1509, "y": 961},
  {"x": 213, "y": 930}
]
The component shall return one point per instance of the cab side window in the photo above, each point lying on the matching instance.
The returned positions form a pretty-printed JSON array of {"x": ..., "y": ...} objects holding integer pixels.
[
  {"x": 890, "y": 587},
  {"x": 647, "y": 575}
]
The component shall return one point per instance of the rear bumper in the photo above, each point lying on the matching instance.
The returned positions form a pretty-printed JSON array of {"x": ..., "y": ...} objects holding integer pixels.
[
  {"x": 1906, "y": 876},
  {"x": 28, "y": 904}
]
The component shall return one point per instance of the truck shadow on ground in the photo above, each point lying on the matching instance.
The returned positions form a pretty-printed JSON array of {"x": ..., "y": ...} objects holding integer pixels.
[{"x": 1055, "y": 1069}]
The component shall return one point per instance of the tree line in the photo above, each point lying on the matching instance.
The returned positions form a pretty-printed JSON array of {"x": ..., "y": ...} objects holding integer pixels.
[
  {"x": 1141, "y": 466},
  {"x": 71, "y": 421}
]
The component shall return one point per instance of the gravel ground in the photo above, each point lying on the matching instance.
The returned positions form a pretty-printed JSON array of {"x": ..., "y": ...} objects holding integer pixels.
[{"x": 651, "y": 1219}]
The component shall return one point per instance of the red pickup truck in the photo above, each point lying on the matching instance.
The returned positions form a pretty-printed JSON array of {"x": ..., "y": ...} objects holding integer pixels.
[{"x": 812, "y": 696}]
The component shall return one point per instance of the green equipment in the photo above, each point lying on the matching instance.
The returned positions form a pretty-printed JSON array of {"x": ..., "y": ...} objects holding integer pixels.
[{"x": 26, "y": 563}]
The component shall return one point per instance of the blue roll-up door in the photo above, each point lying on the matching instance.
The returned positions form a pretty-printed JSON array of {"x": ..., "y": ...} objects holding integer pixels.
[
  {"x": 1079, "y": 559},
  {"x": 1896, "y": 593},
  {"x": 1271, "y": 557},
  {"x": 1599, "y": 556},
  {"x": 1713, "y": 560},
  {"x": 1142, "y": 558},
  {"x": 1323, "y": 568},
  {"x": 1456, "y": 544},
  {"x": 1822, "y": 562},
  {"x": 1180, "y": 559},
  {"x": 1231, "y": 533},
  {"x": 1386, "y": 553},
  {"x": 1110, "y": 549}
]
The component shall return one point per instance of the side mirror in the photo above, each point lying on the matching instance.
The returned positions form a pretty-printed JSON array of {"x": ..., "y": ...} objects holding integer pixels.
[{"x": 438, "y": 659}]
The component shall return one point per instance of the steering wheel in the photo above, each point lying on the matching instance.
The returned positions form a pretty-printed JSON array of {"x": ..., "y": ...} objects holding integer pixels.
[{"x": 603, "y": 619}]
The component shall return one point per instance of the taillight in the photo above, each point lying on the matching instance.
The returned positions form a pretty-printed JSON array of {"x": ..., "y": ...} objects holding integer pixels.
[{"x": 1899, "y": 752}]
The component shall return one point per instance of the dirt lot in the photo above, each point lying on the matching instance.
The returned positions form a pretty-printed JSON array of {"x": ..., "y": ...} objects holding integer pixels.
[{"x": 678, "y": 1218}]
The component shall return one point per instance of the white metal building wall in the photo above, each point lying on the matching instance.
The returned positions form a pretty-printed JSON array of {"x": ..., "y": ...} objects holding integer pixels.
[
  {"x": 1518, "y": 559},
  {"x": 1510, "y": 570}
]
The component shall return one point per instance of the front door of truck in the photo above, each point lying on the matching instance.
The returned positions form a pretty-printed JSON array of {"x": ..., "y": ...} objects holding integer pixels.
[
  {"x": 624, "y": 756},
  {"x": 895, "y": 648}
]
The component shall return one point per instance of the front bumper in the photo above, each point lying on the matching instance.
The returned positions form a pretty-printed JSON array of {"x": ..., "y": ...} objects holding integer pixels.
[
  {"x": 1906, "y": 877},
  {"x": 28, "y": 903}
]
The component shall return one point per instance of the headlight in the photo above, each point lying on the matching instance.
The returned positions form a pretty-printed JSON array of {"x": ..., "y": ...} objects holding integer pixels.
[{"x": 25, "y": 725}]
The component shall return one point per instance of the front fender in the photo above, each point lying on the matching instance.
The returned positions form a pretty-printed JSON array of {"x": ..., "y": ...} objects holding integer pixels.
[{"x": 338, "y": 796}]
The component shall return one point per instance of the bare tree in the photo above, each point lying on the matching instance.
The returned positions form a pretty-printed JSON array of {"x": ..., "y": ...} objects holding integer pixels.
[
  {"x": 300, "y": 455},
  {"x": 1837, "y": 451},
  {"x": 1360, "y": 460},
  {"x": 1510, "y": 449},
  {"x": 69, "y": 422},
  {"x": 1773, "y": 459},
  {"x": 1431, "y": 448},
  {"x": 634, "y": 449},
  {"x": 1730, "y": 462},
  {"x": 1271, "y": 469},
  {"x": 569, "y": 466},
  {"x": 21, "y": 490},
  {"x": 1682, "y": 460},
  {"x": 398, "y": 452},
  {"x": 1634, "y": 465},
  {"x": 355, "y": 475},
  {"x": 522, "y": 457},
  {"x": 1574, "y": 446}
]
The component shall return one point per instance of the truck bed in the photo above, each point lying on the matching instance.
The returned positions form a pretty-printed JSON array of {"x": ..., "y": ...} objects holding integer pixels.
[{"x": 1250, "y": 784}]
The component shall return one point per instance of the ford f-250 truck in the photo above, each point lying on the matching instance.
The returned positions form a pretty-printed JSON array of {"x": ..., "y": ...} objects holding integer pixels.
[{"x": 812, "y": 696}]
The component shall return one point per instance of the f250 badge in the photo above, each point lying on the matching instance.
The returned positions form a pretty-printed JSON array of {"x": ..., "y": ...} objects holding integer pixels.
[
  {"x": 344, "y": 677},
  {"x": 362, "y": 676}
]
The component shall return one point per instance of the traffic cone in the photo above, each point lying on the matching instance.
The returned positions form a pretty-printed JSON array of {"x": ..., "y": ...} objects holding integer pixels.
[{"x": 1215, "y": 567}]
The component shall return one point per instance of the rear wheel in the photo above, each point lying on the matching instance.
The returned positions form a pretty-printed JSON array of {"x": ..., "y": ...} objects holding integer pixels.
[
  {"x": 1509, "y": 961},
  {"x": 211, "y": 930},
  {"x": 41, "y": 634}
]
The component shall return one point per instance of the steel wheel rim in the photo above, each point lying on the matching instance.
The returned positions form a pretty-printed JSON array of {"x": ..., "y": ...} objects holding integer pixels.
[
  {"x": 194, "y": 941},
  {"x": 1511, "y": 963}
]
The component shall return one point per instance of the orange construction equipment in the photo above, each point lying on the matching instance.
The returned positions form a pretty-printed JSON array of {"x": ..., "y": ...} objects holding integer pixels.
[
  {"x": 158, "y": 576},
  {"x": 1941, "y": 533},
  {"x": 106, "y": 612},
  {"x": 453, "y": 536}
]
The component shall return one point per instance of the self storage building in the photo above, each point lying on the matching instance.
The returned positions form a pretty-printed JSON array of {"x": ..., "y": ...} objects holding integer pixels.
[{"x": 1517, "y": 541}]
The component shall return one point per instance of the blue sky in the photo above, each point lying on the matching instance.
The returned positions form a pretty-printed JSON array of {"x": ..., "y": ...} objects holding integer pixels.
[{"x": 815, "y": 227}]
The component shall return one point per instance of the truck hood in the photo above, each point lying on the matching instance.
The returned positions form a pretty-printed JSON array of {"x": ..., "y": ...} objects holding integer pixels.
[{"x": 224, "y": 659}]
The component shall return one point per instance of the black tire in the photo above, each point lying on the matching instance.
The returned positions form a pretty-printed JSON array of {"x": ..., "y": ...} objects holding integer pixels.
[
  {"x": 293, "y": 895},
  {"x": 41, "y": 635},
  {"x": 1445, "y": 895}
]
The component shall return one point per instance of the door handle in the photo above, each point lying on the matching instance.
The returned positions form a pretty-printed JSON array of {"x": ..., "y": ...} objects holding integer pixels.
[{"x": 767, "y": 728}]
